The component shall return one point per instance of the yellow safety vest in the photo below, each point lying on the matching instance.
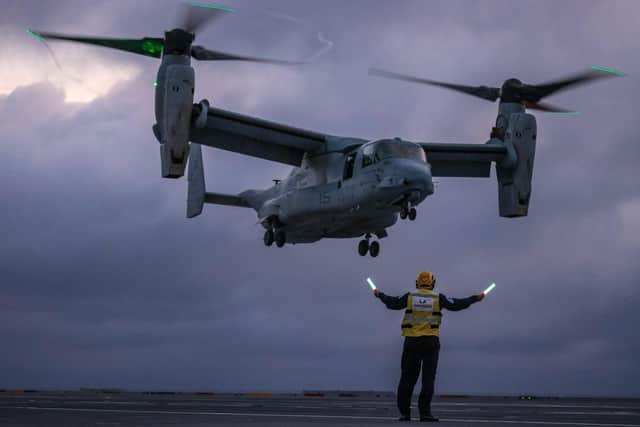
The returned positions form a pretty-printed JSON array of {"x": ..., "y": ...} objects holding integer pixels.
[{"x": 422, "y": 316}]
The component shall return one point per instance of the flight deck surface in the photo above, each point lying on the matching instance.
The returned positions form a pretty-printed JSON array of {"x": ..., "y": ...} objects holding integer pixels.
[{"x": 208, "y": 409}]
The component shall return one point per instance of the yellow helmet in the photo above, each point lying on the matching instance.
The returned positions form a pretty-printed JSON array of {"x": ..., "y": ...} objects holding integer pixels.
[{"x": 425, "y": 280}]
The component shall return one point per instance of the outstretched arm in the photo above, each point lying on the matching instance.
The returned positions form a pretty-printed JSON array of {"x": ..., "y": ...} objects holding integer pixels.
[
  {"x": 393, "y": 303},
  {"x": 457, "y": 304}
]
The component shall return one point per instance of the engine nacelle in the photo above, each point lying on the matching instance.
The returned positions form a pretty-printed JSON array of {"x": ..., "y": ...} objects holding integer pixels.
[
  {"x": 174, "y": 103},
  {"x": 514, "y": 178}
]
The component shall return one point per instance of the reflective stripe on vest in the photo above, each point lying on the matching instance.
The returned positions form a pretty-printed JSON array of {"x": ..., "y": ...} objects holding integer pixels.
[
  {"x": 422, "y": 316},
  {"x": 421, "y": 319}
]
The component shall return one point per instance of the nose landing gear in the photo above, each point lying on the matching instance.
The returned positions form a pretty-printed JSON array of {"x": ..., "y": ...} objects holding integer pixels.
[
  {"x": 280, "y": 238},
  {"x": 412, "y": 214},
  {"x": 372, "y": 248},
  {"x": 268, "y": 238},
  {"x": 405, "y": 212},
  {"x": 274, "y": 234}
]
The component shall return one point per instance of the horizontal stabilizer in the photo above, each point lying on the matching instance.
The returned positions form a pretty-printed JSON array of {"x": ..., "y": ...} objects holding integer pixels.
[
  {"x": 197, "y": 195},
  {"x": 225, "y": 199}
]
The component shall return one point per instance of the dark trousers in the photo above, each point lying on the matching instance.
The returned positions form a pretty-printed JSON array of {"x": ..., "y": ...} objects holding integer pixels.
[{"x": 418, "y": 352}]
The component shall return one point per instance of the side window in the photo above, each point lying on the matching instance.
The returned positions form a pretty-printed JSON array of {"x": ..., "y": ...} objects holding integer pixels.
[
  {"x": 348, "y": 166},
  {"x": 367, "y": 156}
]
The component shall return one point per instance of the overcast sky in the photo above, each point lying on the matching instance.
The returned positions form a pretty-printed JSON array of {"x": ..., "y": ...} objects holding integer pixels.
[{"x": 105, "y": 283}]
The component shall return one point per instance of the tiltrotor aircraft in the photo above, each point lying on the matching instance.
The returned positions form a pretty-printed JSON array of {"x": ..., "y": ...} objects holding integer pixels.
[{"x": 340, "y": 187}]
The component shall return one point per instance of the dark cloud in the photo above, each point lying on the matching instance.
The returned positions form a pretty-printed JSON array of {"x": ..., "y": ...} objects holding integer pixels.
[{"x": 105, "y": 283}]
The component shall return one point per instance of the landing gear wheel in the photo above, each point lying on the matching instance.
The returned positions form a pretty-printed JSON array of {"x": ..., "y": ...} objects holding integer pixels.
[
  {"x": 363, "y": 247},
  {"x": 412, "y": 214},
  {"x": 268, "y": 238},
  {"x": 280, "y": 238},
  {"x": 374, "y": 249},
  {"x": 403, "y": 213}
]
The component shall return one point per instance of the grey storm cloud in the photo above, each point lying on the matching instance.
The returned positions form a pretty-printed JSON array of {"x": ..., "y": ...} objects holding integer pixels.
[{"x": 105, "y": 283}]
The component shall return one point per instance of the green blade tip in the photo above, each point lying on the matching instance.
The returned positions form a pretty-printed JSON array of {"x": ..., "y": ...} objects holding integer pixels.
[
  {"x": 608, "y": 70},
  {"x": 34, "y": 34},
  {"x": 210, "y": 6}
]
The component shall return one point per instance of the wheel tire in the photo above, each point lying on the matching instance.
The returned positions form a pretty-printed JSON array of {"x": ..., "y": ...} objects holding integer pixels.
[
  {"x": 268, "y": 238},
  {"x": 403, "y": 213},
  {"x": 280, "y": 238},
  {"x": 363, "y": 247},
  {"x": 374, "y": 249},
  {"x": 412, "y": 214}
]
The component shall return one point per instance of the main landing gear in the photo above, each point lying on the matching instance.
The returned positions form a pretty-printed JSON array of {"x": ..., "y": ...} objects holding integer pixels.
[
  {"x": 405, "y": 212},
  {"x": 279, "y": 237},
  {"x": 272, "y": 235},
  {"x": 372, "y": 248}
]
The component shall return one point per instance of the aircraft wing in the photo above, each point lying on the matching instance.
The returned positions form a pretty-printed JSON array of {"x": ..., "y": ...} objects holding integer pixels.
[
  {"x": 256, "y": 137},
  {"x": 463, "y": 160}
]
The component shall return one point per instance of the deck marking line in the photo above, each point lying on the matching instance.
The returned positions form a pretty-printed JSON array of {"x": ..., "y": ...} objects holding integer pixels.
[{"x": 353, "y": 417}]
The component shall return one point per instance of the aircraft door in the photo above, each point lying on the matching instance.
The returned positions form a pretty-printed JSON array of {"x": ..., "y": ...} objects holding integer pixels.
[
  {"x": 346, "y": 187},
  {"x": 349, "y": 166}
]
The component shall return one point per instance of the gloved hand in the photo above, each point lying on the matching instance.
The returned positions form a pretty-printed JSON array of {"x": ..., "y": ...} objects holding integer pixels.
[
  {"x": 480, "y": 297},
  {"x": 375, "y": 292}
]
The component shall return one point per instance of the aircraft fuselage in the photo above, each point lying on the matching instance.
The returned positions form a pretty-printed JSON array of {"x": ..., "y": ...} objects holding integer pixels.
[{"x": 359, "y": 194}]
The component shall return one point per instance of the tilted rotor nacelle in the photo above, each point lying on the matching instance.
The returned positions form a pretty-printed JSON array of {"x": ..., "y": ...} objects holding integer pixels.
[
  {"x": 515, "y": 171},
  {"x": 175, "y": 86}
]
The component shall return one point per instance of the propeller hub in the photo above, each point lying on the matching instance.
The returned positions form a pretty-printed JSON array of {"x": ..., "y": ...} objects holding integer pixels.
[
  {"x": 178, "y": 42},
  {"x": 511, "y": 91}
]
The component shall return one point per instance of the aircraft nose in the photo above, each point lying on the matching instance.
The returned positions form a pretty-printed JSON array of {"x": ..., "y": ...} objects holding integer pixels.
[
  {"x": 409, "y": 177},
  {"x": 418, "y": 177}
]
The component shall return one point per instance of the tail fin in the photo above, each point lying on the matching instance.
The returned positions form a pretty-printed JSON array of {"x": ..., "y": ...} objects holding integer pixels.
[
  {"x": 197, "y": 194},
  {"x": 196, "y": 188}
]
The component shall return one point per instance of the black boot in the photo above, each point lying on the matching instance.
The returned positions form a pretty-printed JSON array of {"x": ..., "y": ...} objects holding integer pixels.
[
  {"x": 428, "y": 418},
  {"x": 404, "y": 418}
]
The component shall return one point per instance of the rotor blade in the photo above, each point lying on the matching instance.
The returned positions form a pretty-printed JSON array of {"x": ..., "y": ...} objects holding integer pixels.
[
  {"x": 484, "y": 92},
  {"x": 203, "y": 54},
  {"x": 192, "y": 17},
  {"x": 146, "y": 46},
  {"x": 535, "y": 93},
  {"x": 546, "y": 107}
]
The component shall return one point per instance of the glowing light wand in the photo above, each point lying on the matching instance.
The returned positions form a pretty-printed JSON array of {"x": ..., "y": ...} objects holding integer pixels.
[
  {"x": 373, "y": 285},
  {"x": 489, "y": 289}
]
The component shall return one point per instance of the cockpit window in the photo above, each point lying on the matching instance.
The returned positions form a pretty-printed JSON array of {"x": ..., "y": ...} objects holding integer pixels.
[{"x": 380, "y": 150}]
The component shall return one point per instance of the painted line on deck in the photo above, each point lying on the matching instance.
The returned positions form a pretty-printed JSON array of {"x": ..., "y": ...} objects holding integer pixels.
[
  {"x": 532, "y": 405},
  {"x": 620, "y": 413},
  {"x": 350, "y": 417}
]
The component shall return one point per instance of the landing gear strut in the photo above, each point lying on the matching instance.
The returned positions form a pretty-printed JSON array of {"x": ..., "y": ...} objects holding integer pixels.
[{"x": 372, "y": 248}]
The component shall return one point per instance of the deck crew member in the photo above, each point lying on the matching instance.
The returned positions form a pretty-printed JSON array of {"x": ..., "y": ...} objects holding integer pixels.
[{"x": 421, "y": 328}]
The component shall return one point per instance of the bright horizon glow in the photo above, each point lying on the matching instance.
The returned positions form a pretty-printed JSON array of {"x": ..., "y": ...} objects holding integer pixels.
[
  {"x": 373, "y": 286},
  {"x": 489, "y": 289}
]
